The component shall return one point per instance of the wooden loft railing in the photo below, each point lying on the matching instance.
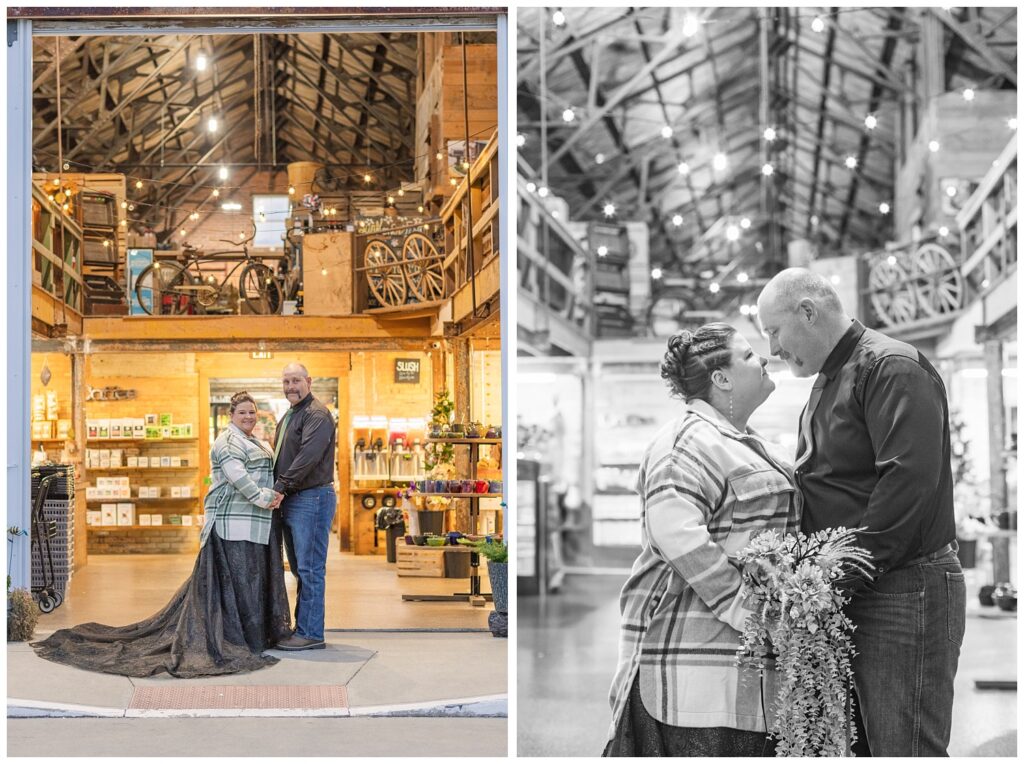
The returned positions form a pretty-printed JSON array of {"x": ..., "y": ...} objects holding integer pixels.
[{"x": 57, "y": 287}]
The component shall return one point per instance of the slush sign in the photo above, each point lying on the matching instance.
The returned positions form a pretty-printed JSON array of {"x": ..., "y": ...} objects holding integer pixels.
[{"x": 407, "y": 371}]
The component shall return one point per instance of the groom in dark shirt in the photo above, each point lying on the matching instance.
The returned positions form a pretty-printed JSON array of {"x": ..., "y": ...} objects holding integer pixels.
[
  {"x": 304, "y": 472},
  {"x": 874, "y": 453}
]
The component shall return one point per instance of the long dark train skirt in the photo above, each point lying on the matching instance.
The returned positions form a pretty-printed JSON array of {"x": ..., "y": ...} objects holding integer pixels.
[
  {"x": 232, "y": 608},
  {"x": 640, "y": 734}
]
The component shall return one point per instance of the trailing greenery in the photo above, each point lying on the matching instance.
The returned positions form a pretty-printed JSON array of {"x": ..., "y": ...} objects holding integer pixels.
[
  {"x": 792, "y": 583},
  {"x": 493, "y": 551},
  {"x": 22, "y": 615}
]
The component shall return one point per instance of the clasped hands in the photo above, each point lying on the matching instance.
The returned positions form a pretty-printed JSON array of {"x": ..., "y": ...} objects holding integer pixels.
[{"x": 276, "y": 502}]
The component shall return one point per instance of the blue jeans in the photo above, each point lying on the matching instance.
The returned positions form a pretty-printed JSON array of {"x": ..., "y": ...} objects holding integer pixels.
[
  {"x": 909, "y": 629},
  {"x": 307, "y": 517}
]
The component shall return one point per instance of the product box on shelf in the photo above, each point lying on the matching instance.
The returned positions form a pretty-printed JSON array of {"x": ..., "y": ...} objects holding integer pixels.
[
  {"x": 115, "y": 428},
  {"x": 93, "y": 517},
  {"x": 133, "y": 461},
  {"x": 151, "y": 420},
  {"x": 165, "y": 432},
  {"x": 52, "y": 406},
  {"x": 156, "y": 519},
  {"x": 42, "y": 430},
  {"x": 108, "y": 514},
  {"x": 165, "y": 461},
  {"x": 186, "y": 520},
  {"x": 186, "y": 492},
  {"x": 92, "y": 493},
  {"x": 126, "y": 514},
  {"x": 144, "y": 461},
  {"x": 38, "y": 408},
  {"x": 166, "y": 420},
  {"x": 64, "y": 429},
  {"x": 145, "y": 519},
  {"x": 92, "y": 429},
  {"x": 138, "y": 429},
  {"x": 174, "y": 519},
  {"x": 103, "y": 426},
  {"x": 153, "y": 433},
  {"x": 175, "y": 461},
  {"x": 175, "y": 492}
]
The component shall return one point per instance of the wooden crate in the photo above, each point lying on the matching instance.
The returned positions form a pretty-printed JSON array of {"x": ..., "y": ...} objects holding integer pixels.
[{"x": 420, "y": 561}]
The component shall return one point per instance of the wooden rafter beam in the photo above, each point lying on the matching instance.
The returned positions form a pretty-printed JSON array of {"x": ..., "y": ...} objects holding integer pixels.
[{"x": 978, "y": 43}]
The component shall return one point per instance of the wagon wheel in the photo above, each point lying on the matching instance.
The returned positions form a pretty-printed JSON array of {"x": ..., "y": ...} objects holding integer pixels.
[
  {"x": 893, "y": 299},
  {"x": 937, "y": 279},
  {"x": 384, "y": 273},
  {"x": 426, "y": 276}
]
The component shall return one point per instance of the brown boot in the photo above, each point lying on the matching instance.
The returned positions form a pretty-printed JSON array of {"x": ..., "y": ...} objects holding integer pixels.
[{"x": 295, "y": 642}]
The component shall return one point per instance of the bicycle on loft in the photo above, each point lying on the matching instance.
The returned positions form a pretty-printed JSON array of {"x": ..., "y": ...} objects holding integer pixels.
[{"x": 178, "y": 287}]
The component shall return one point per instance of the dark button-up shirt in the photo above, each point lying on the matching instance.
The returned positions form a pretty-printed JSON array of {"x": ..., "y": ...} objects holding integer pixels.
[
  {"x": 880, "y": 450},
  {"x": 306, "y": 458}
]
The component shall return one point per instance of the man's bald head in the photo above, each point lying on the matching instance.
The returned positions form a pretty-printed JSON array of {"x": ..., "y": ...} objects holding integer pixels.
[
  {"x": 803, "y": 318},
  {"x": 295, "y": 368},
  {"x": 296, "y": 382}
]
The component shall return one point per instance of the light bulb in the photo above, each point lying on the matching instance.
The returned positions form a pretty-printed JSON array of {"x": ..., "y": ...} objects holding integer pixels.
[
  {"x": 950, "y": 191},
  {"x": 420, "y": 209},
  {"x": 655, "y": 273},
  {"x": 714, "y": 287},
  {"x": 745, "y": 310},
  {"x": 531, "y": 186},
  {"x": 131, "y": 207},
  {"x": 602, "y": 251},
  {"x": 684, "y": 168},
  {"x": 367, "y": 178},
  {"x": 1012, "y": 123},
  {"x": 968, "y": 94},
  {"x": 851, "y": 162},
  {"x": 201, "y": 62},
  {"x": 568, "y": 115},
  {"x": 401, "y": 192},
  {"x": 870, "y": 122},
  {"x": 720, "y": 162},
  {"x": 453, "y": 182},
  {"x": 883, "y": 208},
  {"x": 291, "y": 190},
  {"x": 558, "y": 18},
  {"x": 138, "y": 184},
  {"x": 742, "y": 277},
  {"x": 943, "y": 231},
  {"x": 677, "y": 220},
  {"x": 767, "y": 169},
  {"x": 691, "y": 25},
  {"x": 745, "y": 223},
  {"x": 834, "y": 280},
  {"x": 124, "y": 222},
  {"x": 818, "y": 25},
  {"x": 891, "y": 259},
  {"x": 770, "y": 134},
  {"x": 438, "y": 156},
  {"x": 216, "y": 192},
  {"x": 609, "y": 210},
  {"x": 666, "y": 132},
  {"x": 323, "y": 271},
  {"x": 222, "y": 173},
  {"x": 732, "y": 233},
  {"x": 542, "y": 191},
  {"x": 106, "y": 242},
  {"x": 391, "y": 200},
  {"x": 211, "y": 124},
  {"x": 183, "y": 232},
  {"x": 933, "y": 146},
  {"x": 520, "y": 140}
]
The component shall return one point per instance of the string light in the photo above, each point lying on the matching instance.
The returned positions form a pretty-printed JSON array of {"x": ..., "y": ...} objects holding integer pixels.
[
  {"x": 438, "y": 156},
  {"x": 138, "y": 184},
  {"x": 720, "y": 162},
  {"x": 714, "y": 287},
  {"x": 742, "y": 277},
  {"x": 745, "y": 310},
  {"x": 950, "y": 191},
  {"x": 943, "y": 231},
  {"x": 216, "y": 192},
  {"x": 666, "y": 132},
  {"x": 818, "y": 25},
  {"x": 745, "y": 223},
  {"x": 106, "y": 243},
  {"x": 691, "y": 25},
  {"x": 520, "y": 140},
  {"x": 602, "y": 251},
  {"x": 222, "y": 173},
  {"x": 558, "y": 18},
  {"x": 883, "y": 208},
  {"x": 968, "y": 94},
  {"x": 131, "y": 207},
  {"x": 201, "y": 62},
  {"x": 609, "y": 210},
  {"x": 933, "y": 146},
  {"x": 870, "y": 121},
  {"x": 531, "y": 187},
  {"x": 851, "y": 162},
  {"x": 124, "y": 205},
  {"x": 367, "y": 178},
  {"x": 401, "y": 192},
  {"x": 323, "y": 271},
  {"x": 732, "y": 233},
  {"x": 834, "y": 280},
  {"x": 767, "y": 169},
  {"x": 391, "y": 200},
  {"x": 1012, "y": 123},
  {"x": 453, "y": 182},
  {"x": 684, "y": 168},
  {"x": 124, "y": 222},
  {"x": 677, "y": 220},
  {"x": 599, "y": 158},
  {"x": 543, "y": 191},
  {"x": 183, "y": 232},
  {"x": 655, "y": 273},
  {"x": 568, "y": 115},
  {"x": 291, "y": 190},
  {"x": 891, "y": 259},
  {"x": 420, "y": 209},
  {"x": 211, "y": 125},
  {"x": 770, "y": 134}
]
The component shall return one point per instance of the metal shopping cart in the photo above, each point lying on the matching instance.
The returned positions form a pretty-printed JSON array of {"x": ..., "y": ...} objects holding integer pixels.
[{"x": 48, "y": 595}]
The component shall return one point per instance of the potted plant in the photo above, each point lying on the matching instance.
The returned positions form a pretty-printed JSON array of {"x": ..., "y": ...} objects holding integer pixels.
[
  {"x": 496, "y": 554},
  {"x": 441, "y": 414},
  {"x": 22, "y": 611}
]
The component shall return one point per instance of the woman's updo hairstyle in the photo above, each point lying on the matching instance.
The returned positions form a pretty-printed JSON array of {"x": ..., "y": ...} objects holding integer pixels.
[
  {"x": 242, "y": 397},
  {"x": 692, "y": 356}
]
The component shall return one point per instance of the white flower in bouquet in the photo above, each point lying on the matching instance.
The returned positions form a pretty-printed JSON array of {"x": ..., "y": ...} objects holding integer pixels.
[{"x": 792, "y": 583}]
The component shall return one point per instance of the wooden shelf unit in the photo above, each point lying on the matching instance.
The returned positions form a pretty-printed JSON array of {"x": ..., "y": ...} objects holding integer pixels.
[
  {"x": 475, "y": 200},
  {"x": 57, "y": 285}
]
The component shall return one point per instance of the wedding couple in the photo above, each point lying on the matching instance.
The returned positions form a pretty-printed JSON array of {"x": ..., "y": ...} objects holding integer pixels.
[
  {"x": 234, "y": 606},
  {"x": 873, "y": 453}
]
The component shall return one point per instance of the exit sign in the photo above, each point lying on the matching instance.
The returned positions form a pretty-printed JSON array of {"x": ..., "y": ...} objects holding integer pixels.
[{"x": 407, "y": 371}]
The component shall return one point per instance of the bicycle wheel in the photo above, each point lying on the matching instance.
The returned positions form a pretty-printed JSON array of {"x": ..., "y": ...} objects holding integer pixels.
[
  {"x": 260, "y": 290},
  {"x": 162, "y": 289}
]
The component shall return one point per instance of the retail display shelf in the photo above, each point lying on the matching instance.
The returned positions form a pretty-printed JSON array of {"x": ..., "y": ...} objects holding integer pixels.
[
  {"x": 133, "y": 499},
  {"x": 147, "y": 470},
  {"x": 49, "y": 440},
  {"x": 614, "y": 492},
  {"x": 100, "y": 441},
  {"x": 467, "y": 441},
  {"x": 461, "y": 495},
  {"x": 161, "y": 527}
]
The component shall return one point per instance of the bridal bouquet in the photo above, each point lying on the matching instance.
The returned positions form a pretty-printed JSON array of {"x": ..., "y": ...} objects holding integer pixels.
[{"x": 791, "y": 582}]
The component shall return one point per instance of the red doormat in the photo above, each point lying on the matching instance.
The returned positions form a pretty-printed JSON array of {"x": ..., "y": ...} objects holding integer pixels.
[{"x": 228, "y": 696}]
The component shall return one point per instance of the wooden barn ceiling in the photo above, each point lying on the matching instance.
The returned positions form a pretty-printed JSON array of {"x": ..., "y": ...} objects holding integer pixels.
[
  {"x": 717, "y": 78},
  {"x": 141, "y": 106}
]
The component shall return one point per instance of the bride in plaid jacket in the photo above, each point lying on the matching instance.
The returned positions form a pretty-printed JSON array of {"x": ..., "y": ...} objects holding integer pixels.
[{"x": 707, "y": 484}]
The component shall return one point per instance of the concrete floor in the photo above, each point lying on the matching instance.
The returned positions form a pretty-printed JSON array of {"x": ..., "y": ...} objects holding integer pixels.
[
  {"x": 567, "y": 650},
  {"x": 257, "y": 737},
  {"x": 363, "y": 592}
]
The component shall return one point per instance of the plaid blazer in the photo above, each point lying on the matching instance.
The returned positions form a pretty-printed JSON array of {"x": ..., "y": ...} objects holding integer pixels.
[
  {"x": 242, "y": 473},
  {"x": 705, "y": 489}
]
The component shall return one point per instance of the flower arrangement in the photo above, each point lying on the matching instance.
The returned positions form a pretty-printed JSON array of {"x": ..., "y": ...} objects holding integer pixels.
[{"x": 792, "y": 584}]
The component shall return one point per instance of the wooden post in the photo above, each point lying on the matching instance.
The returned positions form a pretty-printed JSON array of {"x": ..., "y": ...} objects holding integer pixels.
[
  {"x": 81, "y": 555},
  {"x": 996, "y": 446},
  {"x": 463, "y": 405}
]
